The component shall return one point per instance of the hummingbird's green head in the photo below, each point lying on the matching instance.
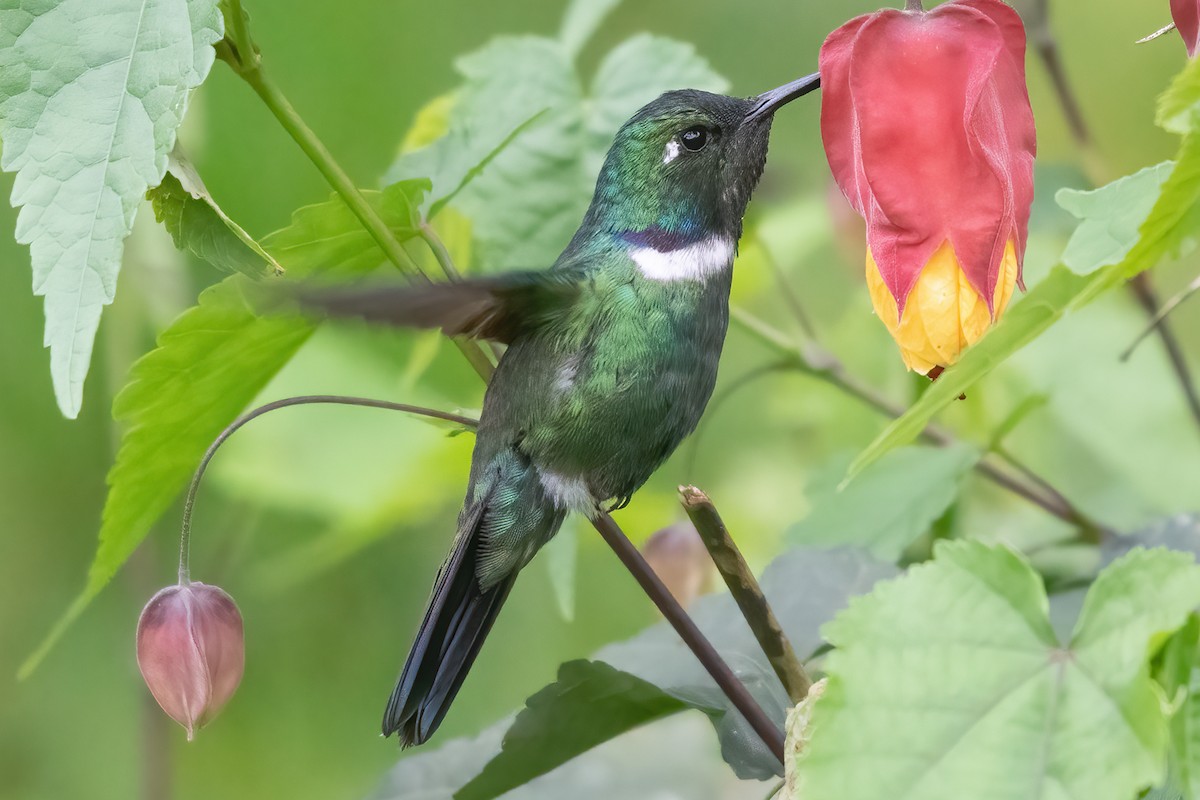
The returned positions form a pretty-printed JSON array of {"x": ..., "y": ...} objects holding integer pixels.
[{"x": 684, "y": 166}]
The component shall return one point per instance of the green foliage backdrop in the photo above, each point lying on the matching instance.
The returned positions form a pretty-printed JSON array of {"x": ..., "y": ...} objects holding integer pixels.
[{"x": 327, "y": 524}]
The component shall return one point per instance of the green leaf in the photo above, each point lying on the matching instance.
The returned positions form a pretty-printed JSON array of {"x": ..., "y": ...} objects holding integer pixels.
[
  {"x": 887, "y": 507},
  {"x": 327, "y": 236},
  {"x": 1110, "y": 217},
  {"x": 1023, "y": 323},
  {"x": 198, "y": 225},
  {"x": 208, "y": 366},
  {"x": 959, "y": 656},
  {"x": 548, "y": 732},
  {"x": 1178, "y": 674},
  {"x": 1178, "y": 106},
  {"x": 829, "y": 577},
  {"x": 672, "y": 757},
  {"x": 527, "y": 202},
  {"x": 88, "y": 115},
  {"x": 581, "y": 20},
  {"x": 562, "y": 562}
]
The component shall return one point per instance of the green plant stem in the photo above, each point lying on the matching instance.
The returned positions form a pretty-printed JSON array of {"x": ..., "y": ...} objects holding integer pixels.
[
  {"x": 185, "y": 534},
  {"x": 442, "y": 255},
  {"x": 746, "y": 592},
  {"x": 440, "y": 252},
  {"x": 824, "y": 366},
  {"x": 240, "y": 52}
]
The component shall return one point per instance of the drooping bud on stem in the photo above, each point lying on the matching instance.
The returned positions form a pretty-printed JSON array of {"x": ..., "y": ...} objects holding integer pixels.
[
  {"x": 191, "y": 652},
  {"x": 678, "y": 556}
]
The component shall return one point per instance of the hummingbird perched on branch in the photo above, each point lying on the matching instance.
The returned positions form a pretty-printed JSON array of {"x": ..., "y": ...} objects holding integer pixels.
[{"x": 612, "y": 356}]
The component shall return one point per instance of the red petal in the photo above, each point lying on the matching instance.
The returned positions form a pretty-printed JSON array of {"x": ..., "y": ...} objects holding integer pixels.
[
  {"x": 1186, "y": 14},
  {"x": 928, "y": 131}
]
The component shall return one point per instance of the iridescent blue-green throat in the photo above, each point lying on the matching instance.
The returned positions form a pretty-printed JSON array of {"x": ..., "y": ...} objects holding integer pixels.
[{"x": 612, "y": 356}]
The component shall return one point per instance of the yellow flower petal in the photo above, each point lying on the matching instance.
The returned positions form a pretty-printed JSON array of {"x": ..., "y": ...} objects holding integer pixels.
[{"x": 944, "y": 314}]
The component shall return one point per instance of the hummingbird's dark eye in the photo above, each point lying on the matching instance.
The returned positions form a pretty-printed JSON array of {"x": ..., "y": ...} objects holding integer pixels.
[{"x": 694, "y": 139}]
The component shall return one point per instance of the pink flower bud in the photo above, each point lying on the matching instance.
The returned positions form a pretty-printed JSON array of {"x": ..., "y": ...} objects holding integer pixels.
[
  {"x": 191, "y": 652},
  {"x": 929, "y": 133},
  {"x": 1186, "y": 14},
  {"x": 678, "y": 556}
]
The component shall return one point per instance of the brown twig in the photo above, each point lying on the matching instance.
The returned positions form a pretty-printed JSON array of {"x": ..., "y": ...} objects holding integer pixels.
[
  {"x": 746, "y": 592},
  {"x": 703, "y": 649},
  {"x": 1147, "y": 298},
  {"x": 824, "y": 366}
]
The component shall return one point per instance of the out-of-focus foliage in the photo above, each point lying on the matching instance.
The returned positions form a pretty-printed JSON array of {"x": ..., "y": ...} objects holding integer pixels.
[{"x": 328, "y": 524}]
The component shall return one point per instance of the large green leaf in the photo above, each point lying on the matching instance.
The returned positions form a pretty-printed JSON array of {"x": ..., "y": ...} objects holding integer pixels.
[
  {"x": 589, "y": 704},
  {"x": 949, "y": 683},
  {"x": 890, "y": 504},
  {"x": 581, "y": 20},
  {"x": 674, "y": 757},
  {"x": 208, "y": 366},
  {"x": 829, "y": 577},
  {"x": 197, "y": 224},
  {"x": 88, "y": 113},
  {"x": 532, "y": 194}
]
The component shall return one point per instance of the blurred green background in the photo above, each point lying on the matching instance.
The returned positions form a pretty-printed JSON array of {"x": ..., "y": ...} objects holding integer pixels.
[{"x": 327, "y": 524}]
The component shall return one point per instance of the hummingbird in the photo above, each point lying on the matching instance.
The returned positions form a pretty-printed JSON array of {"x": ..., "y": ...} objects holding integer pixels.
[{"x": 611, "y": 359}]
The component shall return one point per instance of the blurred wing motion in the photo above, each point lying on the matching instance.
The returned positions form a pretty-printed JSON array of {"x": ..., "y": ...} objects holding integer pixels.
[{"x": 499, "y": 308}]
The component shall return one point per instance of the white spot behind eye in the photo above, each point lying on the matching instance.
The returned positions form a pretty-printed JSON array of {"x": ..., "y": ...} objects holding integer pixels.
[{"x": 671, "y": 152}]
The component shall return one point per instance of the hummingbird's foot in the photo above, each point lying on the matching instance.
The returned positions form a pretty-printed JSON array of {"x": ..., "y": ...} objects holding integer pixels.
[{"x": 620, "y": 503}]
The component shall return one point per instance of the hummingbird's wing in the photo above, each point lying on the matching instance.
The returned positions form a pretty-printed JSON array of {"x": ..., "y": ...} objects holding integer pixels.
[{"x": 499, "y": 308}]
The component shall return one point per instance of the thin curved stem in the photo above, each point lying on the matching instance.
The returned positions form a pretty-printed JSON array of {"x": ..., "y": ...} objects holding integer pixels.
[
  {"x": 185, "y": 534},
  {"x": 240, "y": 52}
]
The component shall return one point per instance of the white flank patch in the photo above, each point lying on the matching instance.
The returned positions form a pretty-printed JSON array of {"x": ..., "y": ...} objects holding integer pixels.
[
  {"x": 565, "y": 380},
  {"x": 692, "y": 263},
  {"x": 671, "y": 152},
  {"x": 568, "y": 492}
]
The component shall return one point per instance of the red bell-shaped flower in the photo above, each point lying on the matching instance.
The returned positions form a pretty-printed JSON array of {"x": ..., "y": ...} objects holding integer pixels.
[
  {"x": 929, "y": 133},
  {"x": 191, "y": 652},
  {"x": 1186, "y": 14}
]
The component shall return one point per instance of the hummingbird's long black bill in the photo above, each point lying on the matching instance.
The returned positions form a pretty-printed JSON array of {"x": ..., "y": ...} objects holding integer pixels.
[{"x": 769, "y": 102}]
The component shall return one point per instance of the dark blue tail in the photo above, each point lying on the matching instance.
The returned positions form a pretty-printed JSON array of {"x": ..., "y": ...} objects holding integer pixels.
[{"x": 497, "y": 535}]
